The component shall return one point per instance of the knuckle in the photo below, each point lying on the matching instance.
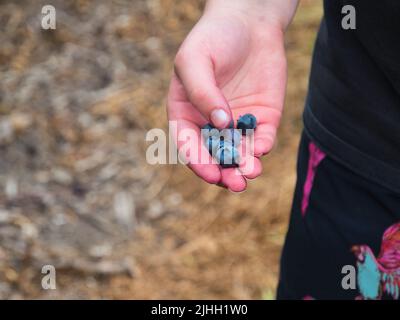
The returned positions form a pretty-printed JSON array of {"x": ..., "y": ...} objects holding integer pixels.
[
  {"x": 198, "y": 94},
  {"x": 181, "y": 58}
]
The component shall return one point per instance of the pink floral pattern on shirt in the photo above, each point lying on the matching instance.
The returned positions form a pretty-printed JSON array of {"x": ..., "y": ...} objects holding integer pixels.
[{"x": 316, "y": 156}]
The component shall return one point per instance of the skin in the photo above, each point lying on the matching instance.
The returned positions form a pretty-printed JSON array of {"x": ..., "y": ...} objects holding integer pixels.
[{"x": 233, "y": 61}]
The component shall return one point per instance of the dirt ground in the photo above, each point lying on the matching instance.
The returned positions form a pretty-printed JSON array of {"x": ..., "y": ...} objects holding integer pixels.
[{"x": 75, "y": 189}]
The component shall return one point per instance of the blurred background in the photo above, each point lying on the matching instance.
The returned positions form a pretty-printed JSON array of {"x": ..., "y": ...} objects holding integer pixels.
[{"x": 75, "y": 189}]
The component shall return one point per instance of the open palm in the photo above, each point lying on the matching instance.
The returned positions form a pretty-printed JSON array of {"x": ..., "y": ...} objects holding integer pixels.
[{"x": 224, "y": 64}]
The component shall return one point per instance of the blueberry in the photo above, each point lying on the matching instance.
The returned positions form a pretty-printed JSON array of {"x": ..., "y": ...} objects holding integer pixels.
[
  {"x": 213, "y": 143},
  {"x": 227, "y": 156},
  {"x": 209, "y": 131},
  {"x": 208, "y": 126},
  {"x": 247, "y": 121},
  {"x": 231, "y": 135}
]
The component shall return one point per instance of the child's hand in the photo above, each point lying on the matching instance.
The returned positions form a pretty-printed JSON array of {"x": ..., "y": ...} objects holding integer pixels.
[{"x": 230, "y": 64}]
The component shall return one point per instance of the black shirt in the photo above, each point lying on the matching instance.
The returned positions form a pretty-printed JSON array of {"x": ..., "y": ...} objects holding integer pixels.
[{"x": 353, "y": 106}]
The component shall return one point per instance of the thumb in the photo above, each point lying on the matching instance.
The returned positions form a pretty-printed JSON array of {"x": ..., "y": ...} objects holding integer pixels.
[{"x": 196, "y": 73}]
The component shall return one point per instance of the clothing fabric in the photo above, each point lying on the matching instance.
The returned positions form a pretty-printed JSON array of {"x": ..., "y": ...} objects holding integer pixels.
[
  {"x": 353, "y": 105},
  {"x": 339, "y": 219}
]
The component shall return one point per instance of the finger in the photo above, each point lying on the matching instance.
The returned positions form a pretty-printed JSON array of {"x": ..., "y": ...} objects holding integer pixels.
[
  {"x": 210, "y": 173},
  {"x": 250, "y": 166},
  {"x": 233, "y": 179},
  {"x": 252, "y": 171},
  {"x": 178, "y": 105},
  {"x": 264, "y": 138},
  {"x": 196, "y": 72}
]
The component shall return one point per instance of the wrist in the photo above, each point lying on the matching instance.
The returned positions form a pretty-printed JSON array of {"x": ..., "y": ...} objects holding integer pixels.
[{"x": 258, "y": 14}]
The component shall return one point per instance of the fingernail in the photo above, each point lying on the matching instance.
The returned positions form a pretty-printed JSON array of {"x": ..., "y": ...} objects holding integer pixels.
[{"x": 219, "y": 118}]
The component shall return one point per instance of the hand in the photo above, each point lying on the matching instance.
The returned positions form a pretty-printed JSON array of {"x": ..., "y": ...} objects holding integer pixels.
[{"x": 230, "y": 64}]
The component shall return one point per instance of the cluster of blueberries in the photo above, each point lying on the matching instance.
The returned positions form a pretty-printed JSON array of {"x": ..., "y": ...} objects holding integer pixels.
[{"x": 222, "y": 145}]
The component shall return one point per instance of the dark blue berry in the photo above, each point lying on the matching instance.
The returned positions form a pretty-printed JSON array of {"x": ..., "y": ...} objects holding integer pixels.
[
  {"x": 246, "y": 122},
  {"x": 208, "y": 126},
  {"x": 222, "y": 144},
  {"x": 232, "y": 136},
  {"x": 209, "y": 131},
  {"x": 227, "y": 156},
  {"x": 213, "y": 143}
]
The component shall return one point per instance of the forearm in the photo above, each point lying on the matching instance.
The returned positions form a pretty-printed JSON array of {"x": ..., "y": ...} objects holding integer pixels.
[{"x": 257, "y": 12}]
